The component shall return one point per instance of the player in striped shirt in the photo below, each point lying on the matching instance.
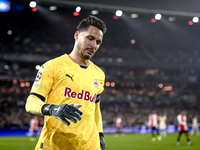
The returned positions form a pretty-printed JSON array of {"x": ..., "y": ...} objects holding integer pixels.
[
  {"x": 153, "y": 123},
  {"x": 183, "y": 128},
  {"x": 34, "y": 127}
]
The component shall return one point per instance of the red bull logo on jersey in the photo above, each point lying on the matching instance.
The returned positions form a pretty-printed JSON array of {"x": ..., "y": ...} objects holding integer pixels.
[
  {"x": 96, "y": 83},
  {"x": 83, "y": 95}
]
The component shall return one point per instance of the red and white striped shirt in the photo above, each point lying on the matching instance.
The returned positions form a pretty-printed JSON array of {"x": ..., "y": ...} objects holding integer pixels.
[
  {"x": 182, "y": 122},
  {"x": 34, "y": 124},
  {"x": 153, "y": 120}
]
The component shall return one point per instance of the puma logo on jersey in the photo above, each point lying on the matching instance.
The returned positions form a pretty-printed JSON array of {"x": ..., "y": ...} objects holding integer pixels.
[{"x": 70, "y": 76}]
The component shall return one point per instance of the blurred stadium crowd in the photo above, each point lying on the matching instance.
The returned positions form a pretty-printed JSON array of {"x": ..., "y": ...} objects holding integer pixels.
[
  {"x": 148, "y": 66},
  {"x": 133, "y": 103}
]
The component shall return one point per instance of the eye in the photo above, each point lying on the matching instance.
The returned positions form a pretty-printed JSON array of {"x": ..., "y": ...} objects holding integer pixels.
[
  {"x": 98, "y": 42},
  {"x": 90, "y": 38}
]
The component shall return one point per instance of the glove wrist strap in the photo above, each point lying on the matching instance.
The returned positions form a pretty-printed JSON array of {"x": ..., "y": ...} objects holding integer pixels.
[
  {"x": 46, "y": 108},
  {"x": 102, "y": 141}
]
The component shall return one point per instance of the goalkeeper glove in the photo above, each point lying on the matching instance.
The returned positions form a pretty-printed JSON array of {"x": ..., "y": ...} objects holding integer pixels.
[
  {"x": 63, "y": 111},
  {"x": 102, "y": 141}
]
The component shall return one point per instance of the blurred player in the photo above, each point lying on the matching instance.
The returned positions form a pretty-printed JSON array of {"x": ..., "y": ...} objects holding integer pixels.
[
  {"x": 119, "y": 124},
  {"x": 67, "y": 92},
  {"x": 34, "y": 127},
  {"x": 163, "y": 125},
  {"x": 183, "y": 128},
  {"x": 195, "y": 126},
  {"x": 153, "y": 123}
]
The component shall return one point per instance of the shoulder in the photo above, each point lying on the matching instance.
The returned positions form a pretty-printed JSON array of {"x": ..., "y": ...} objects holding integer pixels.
[
  {"x": 55, "y": 61},
  {"x": 97, "y": 69},
  {"x": 58, "y": 59}
]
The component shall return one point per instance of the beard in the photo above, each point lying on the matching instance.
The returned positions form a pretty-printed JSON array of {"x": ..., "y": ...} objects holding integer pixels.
[
  {"x": 85, "y": 56},
  {"x": 81, "y": 52}
]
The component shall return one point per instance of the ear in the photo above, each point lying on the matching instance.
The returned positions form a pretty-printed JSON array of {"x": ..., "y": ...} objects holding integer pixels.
[{"x": 76, "y": 35}]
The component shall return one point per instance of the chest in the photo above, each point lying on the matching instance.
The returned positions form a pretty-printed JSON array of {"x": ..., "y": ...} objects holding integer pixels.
[{"x": 74, "y": 81}]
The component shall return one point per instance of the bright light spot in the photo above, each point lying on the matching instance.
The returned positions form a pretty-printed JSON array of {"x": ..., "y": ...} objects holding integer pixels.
[
  {"x": 129, "y": 96},
  {"x": 168, "y": 88},
  {"x": 134, "y": 15},
  {"x": 158, "y": 16},
  {"x": 112, "y": 84},
  {"x": 115, "y": 17},
  {"x": 119, "y": 60},
  {"x": 107, "y": 83},
  {"x": 160, "y": 85},
  {"x": 14, "y": 81},
  {"x": 76, "y": 13},
  {"x": 27, "y": 84},
  {"x": 195, "y": 19},
  {"x": 9, "y": 32},
  {"x": 37, "y": 67},
  {"x": 94, "y": 12},
  {"x": 172, "y": 19},
  {"x": 22, "y": 84},
  {"x": 190, "y": 23},
  {"x": 32, "y": 4},
  {"x": 52, "y": 8},
  {"x": 118, "y": 13},
  {"x": 6, "y": 67},
  {"x": 4, "y": 6},
  {"x": 132, "y": 41},
  {"x": 34, "y": 9},
  {"x": 78, "y": 9},
  {"x": 153, "y": 20}
]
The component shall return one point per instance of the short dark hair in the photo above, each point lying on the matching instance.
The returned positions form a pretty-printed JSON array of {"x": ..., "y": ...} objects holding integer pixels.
[{"x": 94, "y": 21}]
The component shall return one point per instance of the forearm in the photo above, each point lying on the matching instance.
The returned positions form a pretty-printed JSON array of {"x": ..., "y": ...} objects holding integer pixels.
[
  {"x": 98, "y": 118},
  {"x": 37, "y": 106},
  {"x": 34, "y": 105}
]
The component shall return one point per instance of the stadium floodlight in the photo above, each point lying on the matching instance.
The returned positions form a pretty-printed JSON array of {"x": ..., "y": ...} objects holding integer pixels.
[
  {"x": 132, "y": 41},
  {"x": 52, "y": 8},
  {"x": 4, "y": 6},
  {"x": 118, "y": 13},
  {"x": 9, "y": 32},
  {"x": 112, "y": 84},
  {"x": 37, "y": 67},
  {"x": 78, "y": 9},
  {"x": 172, "y": 19},
  {"x": 119, "y": 59},
  {"x": 6, "y": 67},
  {"x": 134, "y": 15},
  {"x": 158, "y": 16},
  {"x": 195, "y": 19},
  {"x": 94, "y": 12},
  {"x": 32, "y": 4}
]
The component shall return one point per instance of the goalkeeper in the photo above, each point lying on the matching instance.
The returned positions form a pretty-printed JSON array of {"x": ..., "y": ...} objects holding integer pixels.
[{"x": 67, "y": 92}]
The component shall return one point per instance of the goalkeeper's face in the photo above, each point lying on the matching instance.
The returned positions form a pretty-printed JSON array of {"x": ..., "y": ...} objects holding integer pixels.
[{"x": 88, "y": 42}]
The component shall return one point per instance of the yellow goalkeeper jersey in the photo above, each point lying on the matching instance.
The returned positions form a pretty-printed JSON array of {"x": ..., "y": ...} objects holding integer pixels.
[{"x": 60, "y": 81}]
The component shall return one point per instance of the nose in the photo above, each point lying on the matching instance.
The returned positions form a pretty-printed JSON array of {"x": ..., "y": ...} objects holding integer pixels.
[{"x": 93, "y": 44}]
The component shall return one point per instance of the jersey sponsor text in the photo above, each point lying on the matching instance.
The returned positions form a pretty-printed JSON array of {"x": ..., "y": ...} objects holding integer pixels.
[{"x": 83, "y": 95}]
